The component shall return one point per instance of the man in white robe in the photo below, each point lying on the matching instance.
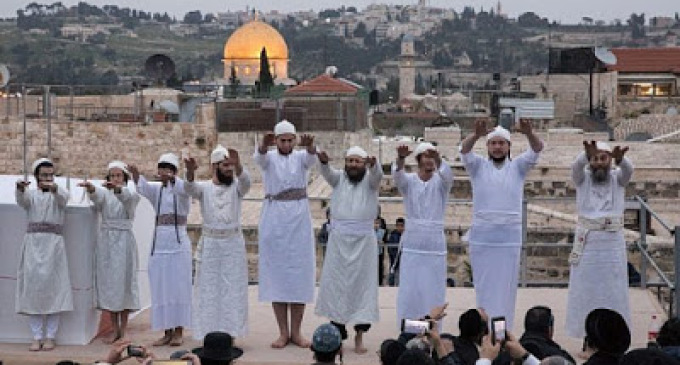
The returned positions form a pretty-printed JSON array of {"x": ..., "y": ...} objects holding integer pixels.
[
  {"x": 348, "y": 293},
  {"x": 221, "y": 286},
  {"x": 599, "y": 273},
  {"x": 116, "y": 287},
  {"x": 496, "y": 233},
  {"x": 43, "y": 288},
  {"x": 170, "y": 260},
  {"x": 423, "y": 261},
  {"x": 287, "y": 267}
]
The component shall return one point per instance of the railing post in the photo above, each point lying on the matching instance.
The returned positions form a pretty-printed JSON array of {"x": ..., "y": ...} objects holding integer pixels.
[
  {"x": 523, "y": 259},
  {"x": 676, "y": 298},
  {"x": 643, "y": 245}
]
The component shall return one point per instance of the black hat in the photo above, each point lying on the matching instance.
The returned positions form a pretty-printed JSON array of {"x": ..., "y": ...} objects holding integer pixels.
[
  {"x": 218, "y": 346},
  {"x": 390, "y": 351},
  {"x": 607, "y": 331}
]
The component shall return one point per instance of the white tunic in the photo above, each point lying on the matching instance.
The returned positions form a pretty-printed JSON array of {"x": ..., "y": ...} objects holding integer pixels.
[
  {"x": 116, "y": 261},
  {"x": 287, "y": 264},
  {"x": 221, "y": 287},
  {"x": 43, "y": 283},
  {"x": 600, "y": 279},
  {"x": 496, "y": 233},
  {"x": 348, "y": 292},
  {"x": 170, "y": 259},
  {"x": 423, "y": 262}
]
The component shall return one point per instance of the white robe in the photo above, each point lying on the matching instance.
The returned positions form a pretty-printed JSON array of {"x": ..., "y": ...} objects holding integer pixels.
[
  {"x": 287, "y": 261},
  {"x": 348, "y": 292},
  {"x": 43, "y": 283},
  {"x": 221, "y": 286},
  {"x": 170, "y": 261},
  {"x": 423, "y": 262},
  {"x": 496, "y": 233},
  {"x": 116, "y": 258},
  {"x": 600, "y": 279}
]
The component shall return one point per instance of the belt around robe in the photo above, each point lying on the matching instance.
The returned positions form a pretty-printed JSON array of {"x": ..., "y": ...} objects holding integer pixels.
[
  {"x": 169, "y": 220},
  {"x": 219, "y": 232},
  {"x": 584, "y": 226},
  {"x": 288, "y": 195},
  {"x": 117, "y": 224},
  {"x": 44, "y": 227}
]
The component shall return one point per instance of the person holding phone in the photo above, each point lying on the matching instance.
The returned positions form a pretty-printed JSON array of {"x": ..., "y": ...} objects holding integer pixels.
[
  {"x": 495, "y": 235},
  {"x": 43, "y": 288},
  {"x": 423, "y": 265},
  {"x": 348, "y": 292}
]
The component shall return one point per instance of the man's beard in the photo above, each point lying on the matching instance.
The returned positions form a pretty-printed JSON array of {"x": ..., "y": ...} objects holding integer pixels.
[
  {"x": 223, "y": 178},
  {"x": 600, "y": 174},
  {"x": 497, "y": 159},
  {"x": 285, "y": 153},
  {"x": 355, "y": 174}
]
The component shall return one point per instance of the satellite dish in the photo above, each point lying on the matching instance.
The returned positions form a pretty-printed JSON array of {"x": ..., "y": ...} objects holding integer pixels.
[
  {"x": 4, "y": 75},
  {"x": 605, "y": 56},
  {"x": 160, "y": 68}
]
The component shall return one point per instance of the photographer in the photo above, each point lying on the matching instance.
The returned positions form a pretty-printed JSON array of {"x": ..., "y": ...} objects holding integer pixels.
[{"x": 122, "y": 351}]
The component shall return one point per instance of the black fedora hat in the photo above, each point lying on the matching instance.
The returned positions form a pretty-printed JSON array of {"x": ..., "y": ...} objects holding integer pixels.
[{"x": 218, "y": 346}]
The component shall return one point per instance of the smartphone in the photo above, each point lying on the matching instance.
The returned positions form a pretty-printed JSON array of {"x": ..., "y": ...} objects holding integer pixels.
[
  {"x": 135, "y": 351},
  {"x": 171, "y": 362},
  {"x": 415, "y": 327},
  {"x": 498, "y": 327}
]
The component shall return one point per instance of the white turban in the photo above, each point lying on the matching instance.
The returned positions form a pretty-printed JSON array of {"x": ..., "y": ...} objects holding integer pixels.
[
  {"x": 170, "y": 158},
  {"x": 356, "y": 151},
  {"x": 601, "y": 146},
  {"x": 118, "y": 165},
  {"x": 424, "y": 146},
  {"x": 218, "y": 154},
  {"x": 37, "y": 162},
  {"x": 499, "y": 132},
  {"x": 284, "y": 127}
]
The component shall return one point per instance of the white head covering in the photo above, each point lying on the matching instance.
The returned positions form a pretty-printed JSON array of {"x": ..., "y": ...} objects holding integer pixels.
[
  {"x": 118, "y": 165},
  {"x": 601, "y": 146},
  {"x": 39, "y": 161},
  {"x": 284, "y": 127},
  {"x": 356, "y": 151},
  {"x": 424, "y": 146},
  {"x": 218, "y": 154},
  {"x": 499, "y": 132},
  {"x": 170, "y": 158}
]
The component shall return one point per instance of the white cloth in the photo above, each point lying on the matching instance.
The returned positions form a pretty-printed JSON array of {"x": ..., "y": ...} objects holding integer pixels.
[
  {"x": 284, "y": 127},
  {"x": 499, "y": 132},
  {"x": 497, "y": 195},
  {"x": 600, "y": 279},
  {"x": 287, "y": 266},
  {"x": 116, "y": 257},
  {"x": 119, "y": 165},
  {"x": 218, "y": 154},
  {"x": 423, "y": 264},
  {"x": 170, "y": 158},
  {"x": 44, "y": 326},
  {"x": 356, "y": 151},
  {"x": 43, "y": 283},
  {"x": 424, "y": 146},
  {"x": 170, "y": 262},
  {"x": 221, "y": 287},
  {"x": 348, "y": 292},
  {"x": 531, "y": 360},
  {"x": 37, "y": 162}
]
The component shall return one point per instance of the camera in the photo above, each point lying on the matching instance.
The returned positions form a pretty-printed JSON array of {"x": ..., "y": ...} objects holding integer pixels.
[
  {"x": 498, "y": 327},
  {"x": 171, "y": 362},
  {"x": 134, "y": 351},
  {"x": 415, "y": 327}
]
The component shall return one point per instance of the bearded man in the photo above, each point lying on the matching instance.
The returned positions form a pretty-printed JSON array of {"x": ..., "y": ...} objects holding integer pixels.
[
  {"x": 348, "y": 293},
  {"x": 599, "y": 273},
  {"x": 422, "y": 277},
  {"x": 495, "y": 235}
]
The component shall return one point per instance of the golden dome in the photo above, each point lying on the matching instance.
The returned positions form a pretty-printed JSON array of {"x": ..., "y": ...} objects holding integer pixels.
[{"x": 247, "y": 42}]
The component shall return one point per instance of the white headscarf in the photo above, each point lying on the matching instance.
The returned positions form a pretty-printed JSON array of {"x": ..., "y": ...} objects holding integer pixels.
[
  {"x": 499, "y": 132},
  {"x": 424, "y": 146},
  {"x": 356, "y": 151},
  {"x": 118, "y": 165},
  {"x": 284, "y": 127},
  {"x": 601, "y": 146},
  {"x": 170, "y": 158},
  {"x": 218, "y": 154},
  {"x": 37, "y": 162}
]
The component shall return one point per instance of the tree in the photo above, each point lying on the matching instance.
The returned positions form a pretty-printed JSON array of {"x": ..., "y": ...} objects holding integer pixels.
[
  {"x": 193, "y": 17},
  {"x": 234, "y": 81},
  {"x": 360, "y": 31},
  {"x": 532, "y": 20},
  {"x": 265, "y": 79},
  {"x": 637, "y": 25}
]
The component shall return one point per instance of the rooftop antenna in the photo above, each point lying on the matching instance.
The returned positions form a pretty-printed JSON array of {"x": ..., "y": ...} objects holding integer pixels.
[{"x": 160, "y": 68}]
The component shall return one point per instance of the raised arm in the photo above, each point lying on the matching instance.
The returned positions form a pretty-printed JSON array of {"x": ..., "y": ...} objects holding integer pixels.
[
  {"x": 578, "y": 169},
  {"x": 375, "y": 173},
  {"x": 307, "y": 141},
  {"x": 398, "y": 173},
  {"x": 243, "y": 183},
  {"x": 526, "y": 129},
  {"x": 61, "y": 195},
  {"x": 446, "y": 174},
  {"x": 194, "y": 189},
  {"x": 468, "y": 143},
  {"x": 261, "y": 156},
  {"x": 625, "y": 166},
  {"x": 330, "y": 174},
  {"x": 21, "y": 194}
]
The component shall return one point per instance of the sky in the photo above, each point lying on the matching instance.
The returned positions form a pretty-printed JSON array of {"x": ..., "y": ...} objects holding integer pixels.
[{"x": 567, "y": 12}]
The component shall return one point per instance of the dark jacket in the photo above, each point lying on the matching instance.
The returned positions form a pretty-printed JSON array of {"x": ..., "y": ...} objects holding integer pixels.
[
  {"x": 600, "y": 358},
  {"x": 466, "y": 350},
  {"x": 541, "y": 346},
  {"x": 673, "y": 351}
]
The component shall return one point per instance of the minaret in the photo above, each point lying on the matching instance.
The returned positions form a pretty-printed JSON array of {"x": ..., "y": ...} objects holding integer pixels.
[{"x": 407, "y": 67}]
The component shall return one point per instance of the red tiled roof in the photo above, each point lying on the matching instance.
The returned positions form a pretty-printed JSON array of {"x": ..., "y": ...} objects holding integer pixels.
[
  {"x": 647, "y": 60},
  {"x": 323, "y": 84}
]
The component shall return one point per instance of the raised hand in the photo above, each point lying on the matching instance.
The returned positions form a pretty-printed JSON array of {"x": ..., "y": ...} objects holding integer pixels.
[
  {"x": 437, "y": 313},
  {"x": 234, "y": 157},
  {"x": 190, "y": 164},
  {"x": 481, "y": 129},
  {"x": 524, "y": 127},
  {"x": 323, "y": 157},
  {"x": 87, "y": 185},
  {"x": 269, "y": 139},
  {"x": 591, "y": 148},
  {"x": 21, "y": 185},
  {"x": 306, "y": 140},
  {"x": 618, "y": 152},
  {"x": 403, "y": 151},
  {"x": 135, "y": 172},
  {"x": 371, "y": 161}
]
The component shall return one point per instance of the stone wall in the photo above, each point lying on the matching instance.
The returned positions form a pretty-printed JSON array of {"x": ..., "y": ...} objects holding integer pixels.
[
  {"x": 632, "y": 107},
  {"x": 654, "y": 125}
]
